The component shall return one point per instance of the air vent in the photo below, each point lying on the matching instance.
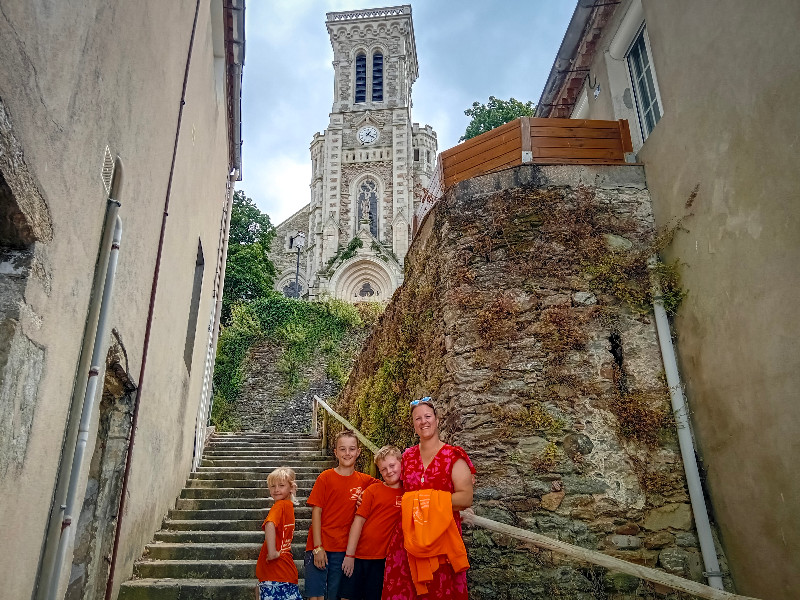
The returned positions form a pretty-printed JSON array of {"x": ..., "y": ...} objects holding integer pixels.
[{"x": 108, "y": 170}]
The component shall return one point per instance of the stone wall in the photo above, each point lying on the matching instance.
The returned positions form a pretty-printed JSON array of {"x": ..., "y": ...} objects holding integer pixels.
[
  {"x": 284, "y": 257},
  {"x": 552, "y": 384}
]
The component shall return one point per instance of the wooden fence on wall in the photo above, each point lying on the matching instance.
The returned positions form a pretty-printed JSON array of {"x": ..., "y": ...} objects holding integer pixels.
[{"x": 539, "y": 141}]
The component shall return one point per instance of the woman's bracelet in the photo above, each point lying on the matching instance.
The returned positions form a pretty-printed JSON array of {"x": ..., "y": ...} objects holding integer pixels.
[{"x": 349, "y": 555}]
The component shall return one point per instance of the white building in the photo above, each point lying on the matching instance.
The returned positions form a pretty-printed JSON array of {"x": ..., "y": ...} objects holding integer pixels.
[{"x": 369, "y": 164}]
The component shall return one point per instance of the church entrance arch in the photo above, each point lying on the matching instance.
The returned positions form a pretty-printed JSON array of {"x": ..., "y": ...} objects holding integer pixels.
[{"x": 364, "y": 280}]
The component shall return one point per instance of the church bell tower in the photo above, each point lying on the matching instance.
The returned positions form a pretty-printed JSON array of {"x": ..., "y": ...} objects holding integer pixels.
[{"x": 368, "y": 162}]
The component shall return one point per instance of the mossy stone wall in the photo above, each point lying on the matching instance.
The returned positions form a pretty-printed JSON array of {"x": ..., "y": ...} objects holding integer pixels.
[{"x": 523, "y": 313}]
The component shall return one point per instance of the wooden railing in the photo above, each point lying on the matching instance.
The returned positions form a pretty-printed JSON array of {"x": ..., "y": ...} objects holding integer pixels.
[
  {"x": 542, "y": 541},
  {"x": 316, "y": 430},
  {"x": 539, "y": 141}
]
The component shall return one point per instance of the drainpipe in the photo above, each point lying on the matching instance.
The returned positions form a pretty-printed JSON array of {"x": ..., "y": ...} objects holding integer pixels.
[
  {"x": 699, "y": 509},
  {"x": 98, "y": 362},
  {"x": 53, "y": 535},
  {"x": 150, "y": 312}
]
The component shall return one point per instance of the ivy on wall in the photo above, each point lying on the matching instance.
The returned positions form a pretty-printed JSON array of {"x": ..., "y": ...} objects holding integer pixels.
[{"x": 305, "y": 331}]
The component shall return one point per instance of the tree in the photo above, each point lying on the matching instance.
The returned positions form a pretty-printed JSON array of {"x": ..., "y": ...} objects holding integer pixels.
[
  {"x": 249, "y": 273},
  {"x": 494, "y": 113}
]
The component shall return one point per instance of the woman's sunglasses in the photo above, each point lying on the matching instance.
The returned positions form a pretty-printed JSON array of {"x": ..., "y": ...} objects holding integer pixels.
[{"x": 425, "y": 400}]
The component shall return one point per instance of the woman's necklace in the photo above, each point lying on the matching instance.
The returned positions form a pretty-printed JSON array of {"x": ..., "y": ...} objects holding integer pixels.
[{"x": 424, "y": 468}]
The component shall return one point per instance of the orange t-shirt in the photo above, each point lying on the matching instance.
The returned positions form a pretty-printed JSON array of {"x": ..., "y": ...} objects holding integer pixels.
[
  {"x": 282, "y": 568},
  {"x": 381, "y": 507},
  {"x": 336, "y": 495}
]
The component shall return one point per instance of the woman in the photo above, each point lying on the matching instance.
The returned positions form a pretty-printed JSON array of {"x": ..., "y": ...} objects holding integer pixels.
[{"x": 431, "y": 464}]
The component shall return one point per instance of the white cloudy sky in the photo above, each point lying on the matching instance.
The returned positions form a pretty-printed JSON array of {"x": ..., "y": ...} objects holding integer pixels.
[{"x": 467, "y": 50}]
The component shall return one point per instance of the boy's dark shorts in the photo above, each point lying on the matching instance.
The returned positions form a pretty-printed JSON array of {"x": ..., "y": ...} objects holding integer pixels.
[{"x": 366, "y": 582}]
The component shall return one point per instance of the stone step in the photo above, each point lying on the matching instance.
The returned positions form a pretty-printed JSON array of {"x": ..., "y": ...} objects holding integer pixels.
[
  {"x": 266, "y": 454},
  {"x": 227, "y": 503},
  {"x": 262, "y": 471},
  {"x": 232, "y": 514},
  {"x": 200, "y": 569},
  {"x": 313, "y": 444},
  {"x": 190, "y": 589},
  {"x": 255, "y": 436},
  {"x": 268, "y": 462},
  {"x": 213, "y": 550},
  {"x": 220, "y": 475},
  {"x": 254, "y": 536},
  {"x": 301, "y": 524},
  {"x": 239, "y": 492},
  {"x": 305, "y": 482}
]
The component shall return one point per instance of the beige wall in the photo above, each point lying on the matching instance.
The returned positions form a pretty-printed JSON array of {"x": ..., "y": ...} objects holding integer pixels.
[
  {"x": 729, "y": 79},
  {"x": 78, "y": 76}
]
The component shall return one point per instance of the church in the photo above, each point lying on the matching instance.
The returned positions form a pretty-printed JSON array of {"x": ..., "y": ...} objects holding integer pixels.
[{"x": 368, "y": 167}]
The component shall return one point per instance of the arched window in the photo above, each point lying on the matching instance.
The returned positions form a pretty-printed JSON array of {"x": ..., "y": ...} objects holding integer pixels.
[
  {"x": 368, "y": 204},
  {"x": 377, "y": 77},
  {"x": 361, "y": 78}
]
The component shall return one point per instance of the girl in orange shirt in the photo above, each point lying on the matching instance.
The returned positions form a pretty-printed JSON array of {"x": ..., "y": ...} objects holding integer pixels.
[{"x": 275, "y": 569}]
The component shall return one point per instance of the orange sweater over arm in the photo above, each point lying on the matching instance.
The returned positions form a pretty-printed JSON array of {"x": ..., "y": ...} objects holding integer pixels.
[{"x": 430, "y": 535}]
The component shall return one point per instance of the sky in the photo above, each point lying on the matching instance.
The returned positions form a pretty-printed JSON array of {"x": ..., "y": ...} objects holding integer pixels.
[{"x": 467, "y": 50}]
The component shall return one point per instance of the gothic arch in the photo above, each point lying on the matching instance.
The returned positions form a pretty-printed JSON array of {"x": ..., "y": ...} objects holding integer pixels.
[
  {"x": 286, "y": 281},
  {"x": 364, "y": 278}
]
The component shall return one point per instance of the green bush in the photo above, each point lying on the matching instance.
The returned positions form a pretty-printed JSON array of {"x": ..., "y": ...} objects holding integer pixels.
[{"x": 305, "y": 331}]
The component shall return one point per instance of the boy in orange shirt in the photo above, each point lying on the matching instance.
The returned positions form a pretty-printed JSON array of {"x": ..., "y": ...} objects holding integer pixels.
[
  {"x": 275, "y": 569},
  {"x": 378, "y": 514},
  {"x": 333, "y": 501}
]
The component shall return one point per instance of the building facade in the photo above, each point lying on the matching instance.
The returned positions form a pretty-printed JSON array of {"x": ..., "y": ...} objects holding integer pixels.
[
  {"x": 706, "y": 88},
  {"x": 119, "y": 148},
  {"x": 369, "y": 164}
]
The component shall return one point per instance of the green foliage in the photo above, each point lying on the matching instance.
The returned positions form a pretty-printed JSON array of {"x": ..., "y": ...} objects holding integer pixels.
[
  {"x": 223, "y": 415},
  {"x": 494, "y": 113},
  {"x": 304, "y": 331},
  {"x": 249, "y": 274},
  {"x": 342, "y": 255}
]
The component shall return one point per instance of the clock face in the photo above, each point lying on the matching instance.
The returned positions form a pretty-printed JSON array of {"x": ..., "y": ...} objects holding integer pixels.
[{"x": 368, "y": 135}]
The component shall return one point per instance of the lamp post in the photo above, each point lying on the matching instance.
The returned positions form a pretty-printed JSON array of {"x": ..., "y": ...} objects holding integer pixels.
[{"x": 299, "y": 241}]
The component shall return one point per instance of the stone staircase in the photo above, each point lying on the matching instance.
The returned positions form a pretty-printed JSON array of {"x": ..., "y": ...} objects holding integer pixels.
[{"x": 210, "y": 542}]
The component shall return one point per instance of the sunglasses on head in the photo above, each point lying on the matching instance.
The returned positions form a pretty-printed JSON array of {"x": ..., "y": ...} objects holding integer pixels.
[{"x": 425, "y": 400}]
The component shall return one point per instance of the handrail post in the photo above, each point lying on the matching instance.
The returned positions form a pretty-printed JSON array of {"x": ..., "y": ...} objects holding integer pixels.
[
  {"x": 314, "y": 409},
  {"x": 324, "y": 430},
  {"x": 526, "y": 146}
]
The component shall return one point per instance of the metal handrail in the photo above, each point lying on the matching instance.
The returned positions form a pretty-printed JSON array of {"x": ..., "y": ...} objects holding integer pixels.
[{"x": 583, "y": 554}]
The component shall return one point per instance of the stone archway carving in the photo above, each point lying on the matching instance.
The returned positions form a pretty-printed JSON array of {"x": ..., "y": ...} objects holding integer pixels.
[{"x": 364, "y": 279}]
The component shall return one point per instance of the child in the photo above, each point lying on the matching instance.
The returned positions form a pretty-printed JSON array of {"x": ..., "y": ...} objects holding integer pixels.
[
  {"x": 378, "y": 514},
  {"x": 275, "y": 569},
  {"x": 333, "y": 501}
]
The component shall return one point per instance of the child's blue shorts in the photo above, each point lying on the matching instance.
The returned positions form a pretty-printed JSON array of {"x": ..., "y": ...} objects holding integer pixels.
[
  {"x": 323, "y": 582},
  {"x": 278, "y": 590}
]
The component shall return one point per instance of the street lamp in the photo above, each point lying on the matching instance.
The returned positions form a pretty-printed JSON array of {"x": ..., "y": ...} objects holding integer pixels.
[{"x": 298, "y": 241}]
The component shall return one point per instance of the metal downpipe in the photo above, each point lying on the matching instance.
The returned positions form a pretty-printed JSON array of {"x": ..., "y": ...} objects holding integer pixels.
[
  {"x": 679, "y": 409},
  {"x": 53, "y": 534},
  {"x": 98, "y": 364}
]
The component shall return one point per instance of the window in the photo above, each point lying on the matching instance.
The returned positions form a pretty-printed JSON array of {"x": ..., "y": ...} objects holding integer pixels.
[
  {"x": 194, "y": 307},
  {"x": 644, "y": 84},
  {"x": 361, "y": 78},
  {"x": 416, "y": 154},
  {"x": 377, "y": 77},
  {"x": 368, "y": 205}
]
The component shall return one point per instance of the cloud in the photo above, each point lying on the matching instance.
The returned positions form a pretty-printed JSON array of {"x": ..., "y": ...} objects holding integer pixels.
[{"x": 280, "y": 187}]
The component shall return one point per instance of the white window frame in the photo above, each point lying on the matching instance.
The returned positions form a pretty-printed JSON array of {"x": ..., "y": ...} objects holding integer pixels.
[{"x": 640, "y": 112}]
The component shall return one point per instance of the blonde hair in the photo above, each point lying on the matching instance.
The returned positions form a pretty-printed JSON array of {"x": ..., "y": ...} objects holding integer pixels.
[
  {"x": 284, "y": 474},
  {"x": 344, "y": 433},
  {"x": 388, "y": 451}
]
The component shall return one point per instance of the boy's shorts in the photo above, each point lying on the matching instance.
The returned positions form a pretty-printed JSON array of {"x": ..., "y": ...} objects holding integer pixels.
[
  {"x": 278, "y": 590},
  {"x": 323, "y": 582},
  {"x": 366, "y": 583}
]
